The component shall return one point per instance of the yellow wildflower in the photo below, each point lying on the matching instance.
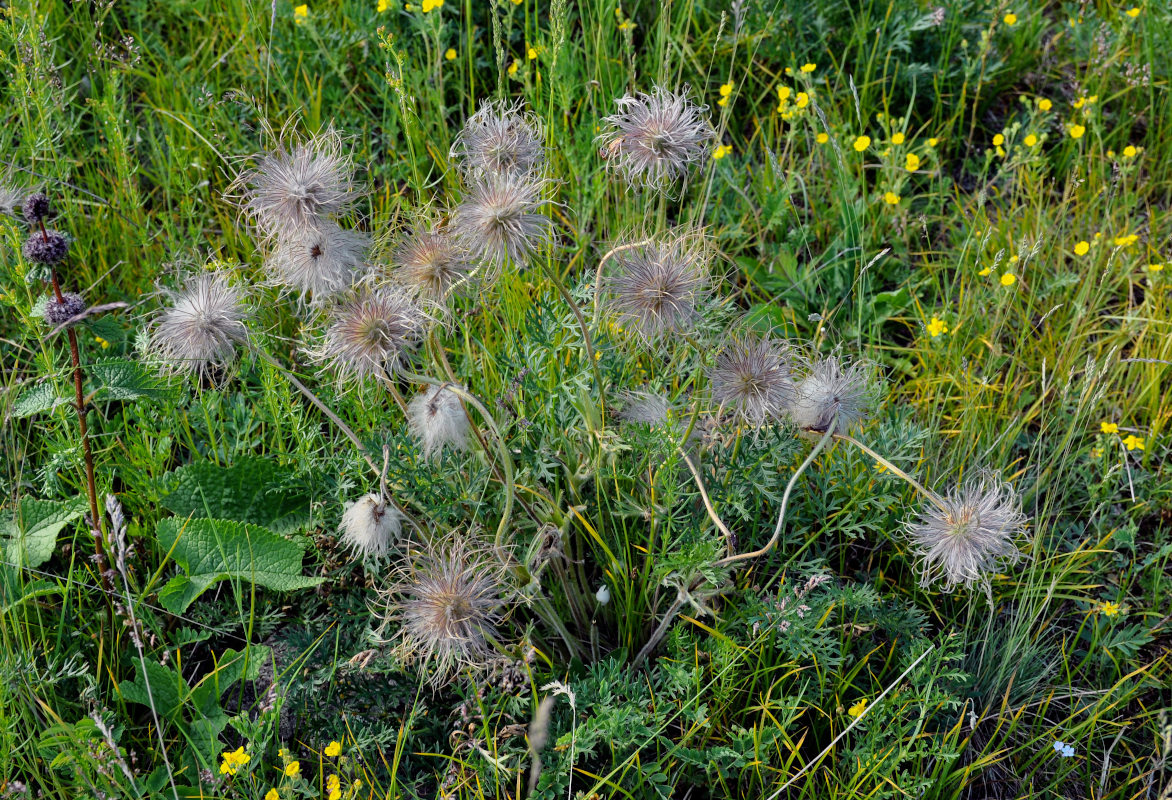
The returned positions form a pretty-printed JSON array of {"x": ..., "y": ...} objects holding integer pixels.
[
  {"x": 450, "y": 54},
  {"x": 822, "y": 138},
  {"x": 1109, "y": 427},
  {"x": 1129, "y": 152},
  {"x": 1125, "y": 241},
  {"x": 1133, "y": 442},
  {"x": 986, "y": 271},
  {"x": 1031, "y": 140},
  {"x": 897, "y": 138},
  {"x": 1045, "y": 104},
  {"x": 1010, "y": 19},
  {"x": 803, "y": 100},
  {"x": 721, "y": 151},
  {"x": 1077, "y": 131},
  {"x": 300, "y": 13},
  {"x": 1008, "y": 279},
  {"x": 272, "y": 794},
  {"x": 808, "y": 67},
  {"x": 516, "y": 65},
  {"x": 933, "y": 142},
  {"x": 382, "y": 6},
  {"x": 862, "y": 143},
  {"x": 293, "y": 769},
  {"x": 1082, "y": 248},
  {"x": 891, "y": 198},
  {"x": 936, "y": 327},
  {"x": 1109, "y": 609},
  {"x": 333, "y": 749},
  {"x": 1132, "y": 12},
  {"x": 858, "y": 708},
  {"x": 102, "y": 342},
  {"x": 999, "y": 140},
  {"x": 913, "y": 162},
  {"x": 233, "y": 761},
  {"x": 1155, "y": 267}
]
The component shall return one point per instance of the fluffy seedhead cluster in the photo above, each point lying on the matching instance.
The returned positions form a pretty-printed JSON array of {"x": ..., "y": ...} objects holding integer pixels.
[
  {"x": 834, "y": 389},
  {"x": 11, "y": 198},
  {"x": 500, "y": 218},
  {"x": 655, "y": 138},
  {"x": 656, "y": 289},
  {"x": 753, "y": 379},
  {"x": 371, "y": 526},
  {"x": 500, "y": 138},
  {"x": 320, "y": 261},
  {"x": 200, "y": 330},
  {"x": 643, "y": 408},
  {"x": 446, "y": 603},
  {"x": 432, "y": 262},
  {"x": 970, "y": 534},
  {"x": 437, "y": 419},
  {"x": 369, "y": 334}
]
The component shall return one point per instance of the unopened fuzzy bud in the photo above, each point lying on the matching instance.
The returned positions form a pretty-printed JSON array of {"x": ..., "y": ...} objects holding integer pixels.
[
  {"x": 36, "y": 207},
  {"x": 48, "y": 247},
  {"x": 58, "y": 312}
]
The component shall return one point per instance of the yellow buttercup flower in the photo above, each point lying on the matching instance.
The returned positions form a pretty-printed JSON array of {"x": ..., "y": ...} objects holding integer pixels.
[
  {"x": 1109, "y": 427},
  {"x": 293, "y": 769},
  {"x": 1031, "y": 140},
  {"x": 721, "y": 151},
  {"x": 1082, "y": 248},
  {"x": 822, "y": 138},
  {"x": 1129, "y": 152},
  {"x": 1155, "y": 267},
  {"x": 1109, "y": 609},
  {"x": 233, "y": 761},
  {"x": 862, "y": 143},
  {"x": 1132, "y": 12},
  {"x": 858, "y": 708},
  {"x": 809, "y": 67},
  {"x": 933, "y": 142},
  {"x": 450, "y": 54},
  {"x": 725, "y": 89},
  {"x": 1008, "y": 279},
  {"x": 1125, "y": 241},
  {"x": 1077, "y": 131},
  {"x": 986, "y": 271},
  {"x": 897, "y": 138},
  {"x": 802, "y": 100},
  {"x": 936, "y": 327},
  {"x": 333, "y": 749},
  {"x": 913, "y": 162},
  {"x": 891, "y": 198},
  {"x": 1045, "y": 104},
  {"x": 516, "y": 65},
  {"x": 998, "y": 140},
  {"x": 300, "y": 13},
  {"x": 382, "y": 6},
  {"x": 1133, "y": 442},
  {"x": 1010, "y": 19},
  {"x": 272, "y": 794}
]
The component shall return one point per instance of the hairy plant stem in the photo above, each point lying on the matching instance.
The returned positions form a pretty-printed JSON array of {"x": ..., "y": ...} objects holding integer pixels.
[
  {"x": 919, "y": 487},
  {"x": 503, "y": 448},
  {"x": 661, "y": 629},
  {"x": 826, "y": 437},
  {"x": 83, "y": 429}
]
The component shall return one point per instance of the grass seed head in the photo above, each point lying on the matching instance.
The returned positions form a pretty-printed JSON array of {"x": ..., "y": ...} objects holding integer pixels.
[
  {"x": 201, "y": 329},
  {"x": 500, "y": 218},
  {"x": 971, "y": 535},
  {"x": 436, "y": 418},
  {"x": 370, "y": 526},
  {"x": 500, "y": 138},
  {"x": 370, "y": 333},
  {"x": 753, "y": 379},
  {"x": 654, "y": 139}
]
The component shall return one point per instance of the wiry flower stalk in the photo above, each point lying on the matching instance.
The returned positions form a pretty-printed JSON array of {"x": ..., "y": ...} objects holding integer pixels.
[
  {"x": 655, "y": 290},
  {"x": 500, "y": 138},
  {"x": 655, "y": 138},
  {"x": 200, "y": 331},
  {"x": 447, "y": 601},
  {"x": 969, "y": 534}
]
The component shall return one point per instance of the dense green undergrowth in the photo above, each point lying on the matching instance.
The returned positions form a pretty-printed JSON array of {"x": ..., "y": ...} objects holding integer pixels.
[{"x": 972, "y": 200}]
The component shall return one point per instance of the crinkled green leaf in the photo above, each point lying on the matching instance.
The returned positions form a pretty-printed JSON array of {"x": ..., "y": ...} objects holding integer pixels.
[
  {"x": 37, "y": 399},
  {"x": 160, "y": 688},
  {"x": 211, "y": 550},
  {"x": 31, "y": 535},
  {"x": 247, "y": 491},
  {"x": 121, "y": 379}
]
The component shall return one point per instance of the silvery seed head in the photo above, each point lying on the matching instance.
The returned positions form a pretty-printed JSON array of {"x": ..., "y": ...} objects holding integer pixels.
[
  {"x": 447, "y": 601},
  {"x": 298, "y": 184},
  {"x": 500, "y": 218},
  {"x": 11, "y": 198},
  {"x": 319, "y": 262},
  {"x": 643, "y": 408},
  {"x": 201, "y": 329},
  {"x": 834, "y": 389},
  {"x": 437, "y": 419},
  {"x": 370, "y": 333},
  {"x": 58, "y": 312},
  {"x": 971, "y": 535},
  {"x": 655, "y": 289},
  {"x": 753, "y": 379},
  {"x": 432, "y": 262},
  {"x": 500, "y": 138},
  {"x": 655, "y": 138},
  {"x": 370, "y": 526}
]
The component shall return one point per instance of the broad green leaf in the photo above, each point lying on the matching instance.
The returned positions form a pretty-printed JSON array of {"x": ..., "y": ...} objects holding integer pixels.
[
  {"x": 37, "y": 399},
  {"x": 31, "y": 535},
  {"x": 160, "y": 688},
  {"x": 766, "y": 317},
  {"x": 211, "y": 550},
  {"x": 247, "y": 491},
  {"x": 120, "y": 379}
]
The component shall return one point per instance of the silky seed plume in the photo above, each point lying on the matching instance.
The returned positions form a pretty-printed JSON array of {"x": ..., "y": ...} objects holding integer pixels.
[
  {"x": 836, "y": 389},
  {"x": 500, "y": 218},
  {"x": 655, "y": 289},
  {"x": 752, "y": 378},
  {"x": 500, "y": 138},
  {"x": 370, "y": 526},
  {"x": 200, "y": 331},
  {"x": 318, "y": 262},
  {"x": 370, "y": 333},
  {"x": 654, "y": 139},
  {"x": 437, "y": 419},
  {"x": 432, "y": 262}
]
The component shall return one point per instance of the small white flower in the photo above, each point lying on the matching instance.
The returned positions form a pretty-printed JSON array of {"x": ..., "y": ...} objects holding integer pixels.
[
  {"x": 370, "y": 526},
  {"x": 602, "y": 595}
]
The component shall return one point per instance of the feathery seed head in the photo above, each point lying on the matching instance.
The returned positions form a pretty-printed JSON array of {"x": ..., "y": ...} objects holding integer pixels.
[
  {"x": 655, "y": 289},
  {"x": 370, "y": 526},
  {"x": 298, "y": 184},
  {"x": 753, "y": 378},
  {"x": 643, "y": 408},
  {"x": 834, "y": 389},
  {"x": 199, "y": 332},
  {"x": 500, "y": 217},
  {"x": 46, "y": 248},
  {"x": 36, "y": 208},
  {"x": 319, "y": 262},
  {"x": 431, "y": 262},
  {"x": 448, "y": 599},
  {"x": 369, "y": 334},
  {"x": 11, "y": 197},
  {"x": 500, "y": 138},
  {"x": 58, "y": 312},
  {"x": 654, "y": 138},
  {"x": 436, "y": 418},
  {"x": 971, "y": 535}
]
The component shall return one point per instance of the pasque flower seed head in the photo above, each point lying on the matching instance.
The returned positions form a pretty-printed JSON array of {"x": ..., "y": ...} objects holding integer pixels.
[
  {"x": 371, "y": 526},
  {"x": 370, "y": 333},
  {"x": 500, "y": 138},
  {"x": 655, "y": 138},
  {"x": 202, "y": 327}
]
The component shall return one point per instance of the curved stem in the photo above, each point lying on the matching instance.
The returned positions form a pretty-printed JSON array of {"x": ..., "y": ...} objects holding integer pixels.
[
  {"x": 728, "y": 535},
  {"x": 661, "y": 630},
  {"x": 602, "y": 262},
  {"x": 826, "y": 437},
  {"x": 502, "y": 447},
  {"x": 556, "y": 280},
  {"x": 919, "y": 487}
]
